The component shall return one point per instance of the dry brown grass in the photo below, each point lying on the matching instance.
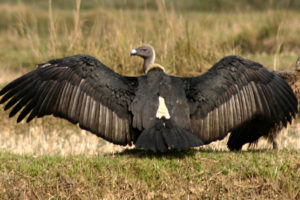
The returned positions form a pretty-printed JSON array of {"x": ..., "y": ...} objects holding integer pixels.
[{"x": 56, "y": 137}]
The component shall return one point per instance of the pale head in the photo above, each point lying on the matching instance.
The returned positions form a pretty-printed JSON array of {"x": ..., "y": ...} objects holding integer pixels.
[{"x": 147, "y": 53}]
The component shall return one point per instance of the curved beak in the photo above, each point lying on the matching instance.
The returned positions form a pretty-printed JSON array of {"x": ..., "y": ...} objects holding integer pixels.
[{"x": 133, "y": 52}]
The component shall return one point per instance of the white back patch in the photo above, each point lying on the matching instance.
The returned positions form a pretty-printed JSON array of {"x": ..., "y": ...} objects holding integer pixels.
[{"x": 162, "y": 110}]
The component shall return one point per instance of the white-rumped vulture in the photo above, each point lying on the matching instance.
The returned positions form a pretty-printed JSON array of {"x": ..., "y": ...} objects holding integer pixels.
[{"x": 156, "y": 111}]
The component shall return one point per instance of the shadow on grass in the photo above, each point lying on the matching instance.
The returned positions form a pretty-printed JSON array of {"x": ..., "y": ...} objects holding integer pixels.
[
  {"x": 138, "y": 153},
  {"x": 150, "y": 154}
]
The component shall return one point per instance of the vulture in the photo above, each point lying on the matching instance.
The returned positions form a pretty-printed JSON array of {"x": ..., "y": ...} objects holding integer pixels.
[
  {"x": 292, "y": 78},
  {"x": 156, "y": 111}
]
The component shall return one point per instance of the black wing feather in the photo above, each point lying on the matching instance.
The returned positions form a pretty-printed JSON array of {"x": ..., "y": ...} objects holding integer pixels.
[
  {"x": 78, "y": 88},
  {"x": 235, "y": 94}
]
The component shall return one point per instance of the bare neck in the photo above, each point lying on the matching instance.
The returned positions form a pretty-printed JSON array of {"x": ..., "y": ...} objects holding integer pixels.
[{"x": 148, "y": 62}]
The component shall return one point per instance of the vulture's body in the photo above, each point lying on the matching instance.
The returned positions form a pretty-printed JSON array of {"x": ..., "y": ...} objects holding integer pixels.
[{"x": 157, "y": 111}]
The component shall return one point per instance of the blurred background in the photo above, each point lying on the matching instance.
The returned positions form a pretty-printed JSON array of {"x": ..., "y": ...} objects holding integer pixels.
[{"x": 189, "y": 36}]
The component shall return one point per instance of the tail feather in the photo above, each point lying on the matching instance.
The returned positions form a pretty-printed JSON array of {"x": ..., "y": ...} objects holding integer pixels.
[
  {"x": 152, "y": 140},
  {"x": 166, "y": 135}
]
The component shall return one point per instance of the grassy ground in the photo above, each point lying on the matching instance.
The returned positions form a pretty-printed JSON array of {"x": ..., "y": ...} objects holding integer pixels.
[
  {"x": 139, "y": 175},
  {"x": 188, "y": 38}
]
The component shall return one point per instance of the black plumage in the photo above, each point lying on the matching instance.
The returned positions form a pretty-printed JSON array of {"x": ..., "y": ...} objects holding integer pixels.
[{"x": 236, "y": 95}]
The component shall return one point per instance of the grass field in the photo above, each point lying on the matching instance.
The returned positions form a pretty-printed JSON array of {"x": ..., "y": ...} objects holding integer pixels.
[
  {"x": 139, "y": 175},
  {"x": 53, "y": 159}
]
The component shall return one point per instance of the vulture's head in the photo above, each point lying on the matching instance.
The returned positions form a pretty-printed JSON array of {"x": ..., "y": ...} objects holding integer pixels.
[
  {"x": 298, "y": 64},
  {"x": 147, "y": 53}
]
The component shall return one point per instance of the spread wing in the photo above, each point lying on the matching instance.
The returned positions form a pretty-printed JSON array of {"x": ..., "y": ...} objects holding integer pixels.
[
  {"x": 232, "y": 94},
  {"x": 80, "y": 89}
]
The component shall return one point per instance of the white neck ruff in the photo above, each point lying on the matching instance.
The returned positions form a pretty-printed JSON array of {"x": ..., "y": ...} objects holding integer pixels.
[{"x": 155, "y": 65}]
